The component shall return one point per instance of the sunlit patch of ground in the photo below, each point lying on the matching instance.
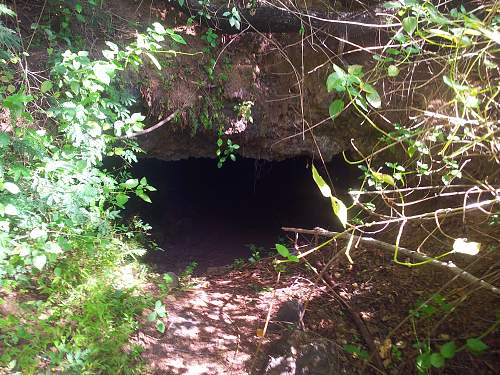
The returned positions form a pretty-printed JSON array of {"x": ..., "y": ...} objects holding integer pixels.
[{"x": 212, "y": 328}]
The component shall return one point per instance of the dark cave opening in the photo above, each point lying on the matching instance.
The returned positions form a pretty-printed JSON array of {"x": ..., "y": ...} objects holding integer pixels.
[{"x": 213, "y": 216}]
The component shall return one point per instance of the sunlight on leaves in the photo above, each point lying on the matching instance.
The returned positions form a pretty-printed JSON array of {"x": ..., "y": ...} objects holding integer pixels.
[
  {"x": 323, "y": 186},
  {"x": 462, "y": 246},
  {"x": 338, "y": 206}
]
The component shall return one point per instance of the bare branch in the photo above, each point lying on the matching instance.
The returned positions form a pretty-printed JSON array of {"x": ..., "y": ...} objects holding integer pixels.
[{"x": 450, "y": 266}]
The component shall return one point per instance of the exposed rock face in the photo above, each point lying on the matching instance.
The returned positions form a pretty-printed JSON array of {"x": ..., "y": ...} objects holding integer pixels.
[
  {"x": 266, "y": 70},
  {"x": 298, "y": 354}
]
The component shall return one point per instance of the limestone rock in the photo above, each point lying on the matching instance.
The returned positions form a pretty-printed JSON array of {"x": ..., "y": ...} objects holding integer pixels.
[{"x": 299, "y": 354}]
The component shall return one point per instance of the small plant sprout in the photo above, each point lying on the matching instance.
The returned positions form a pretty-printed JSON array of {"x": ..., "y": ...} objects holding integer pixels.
[{"x": 157, "y": 314}]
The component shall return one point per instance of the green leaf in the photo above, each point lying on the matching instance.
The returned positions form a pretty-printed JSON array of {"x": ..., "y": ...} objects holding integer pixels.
[
  {"x": 160, "y": 309},
  {"x": 282, "y": 250},
  {"x": 392, "y": 5},
  {"x": 339, "y": 70},
  {"x": 130, "y": 183},
  {"x": 322, "y": 185},
  {"x": 160, "y": 326},
  {"x": 143, "y": 196},
  {"x": 340, "y": 210},
  {"x": 37, "y": 233},
  {"x": 10, "y": 210},
  {"x": 159, "y": 29},
  {"x": 392, "y": 71},
  {"x": 153, "y": 60},
  {"x": 40, "y": 261},
  {"x": 374, "y": 99},
  {"x": 152, "y": 316},
  {"x": 437, "y": 360},
  {"x": 356, "y": 70},
  {"x": 476, "y": 345},
  {"x": 451, "y": 83},
  {"x": 46, "y": 86},
  {"x": 53, "y": 248},
  {"x": 336, "y": 107},
  {"x": 4, "y": 10},
  {"x": 382, "y": 177},
  {"x": 4, "y": 140},
  {"x": 462, "y": 246},
  {"x": 175, "y": 37},
  {"x": 121, "y": 199},
  {"x": 423, "y": 361},
  {"x": 448, "y": 350},
  {"x": 11, "y": 188},
  {"x": 369, "y": 89},
  {"x": 102, "y": 72},
  {"x": 168, "y": 278},
  {"x": 112, "y": 45},
  {"x": 335, "y": 82},
  {"x": 410, "y": 24}
]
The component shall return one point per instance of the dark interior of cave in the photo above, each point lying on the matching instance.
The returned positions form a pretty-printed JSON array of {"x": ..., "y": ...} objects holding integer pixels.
[{"x": 212, "y": 216}]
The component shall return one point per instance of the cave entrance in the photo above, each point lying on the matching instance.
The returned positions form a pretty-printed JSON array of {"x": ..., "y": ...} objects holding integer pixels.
[{"x": 213, "y": 216}]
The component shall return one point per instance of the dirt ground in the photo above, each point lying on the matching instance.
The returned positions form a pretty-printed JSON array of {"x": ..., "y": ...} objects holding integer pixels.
[{"x": 212, "y": 327}]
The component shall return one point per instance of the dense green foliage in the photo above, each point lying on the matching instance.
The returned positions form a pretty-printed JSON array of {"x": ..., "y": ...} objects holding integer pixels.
[
  {"x": 426, "y": 158},
  {"x": 65, "y": 259}
]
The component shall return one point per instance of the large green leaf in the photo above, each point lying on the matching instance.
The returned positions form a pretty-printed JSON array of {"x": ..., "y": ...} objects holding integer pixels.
[
  {"x": 410, "y": 24},
  {"x": 335, "y": 82},
  {"x": 437, "y": 360},
  {"x": 448, "y": 350},
  {"x": 382, "y": 177},
  {"x": 39, "y": 261},
  {"x": 11, "y": 187},
  {"x": 46, "y": 86},
  {"x": 103, "y": 71},
  {"x": 160, "y": 326},
  {"x": 336, "y": 107},
  {"x": 323, "y": 186},
  {"x": 282, "y": 250},
  {"x": 340, "y": 210},
  {"x": 476, "y": 345},
  {"x": 130, "y": 183},
  {"x": 374, "y": 99},
  {"x": 140, "y": 193},
  {"x": 121, "y": 199},
  {"x": 153, "y": 60},
  {"x": 176, "y": 37}
]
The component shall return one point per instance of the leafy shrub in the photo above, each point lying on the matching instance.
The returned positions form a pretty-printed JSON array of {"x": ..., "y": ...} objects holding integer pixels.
[{"x": 60, "y": 236}]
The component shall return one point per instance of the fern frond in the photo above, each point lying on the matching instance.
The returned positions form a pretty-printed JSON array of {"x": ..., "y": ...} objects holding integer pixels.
[
  {"x": 8, "y": 38},
  {"x": 4, "y": 10}
]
